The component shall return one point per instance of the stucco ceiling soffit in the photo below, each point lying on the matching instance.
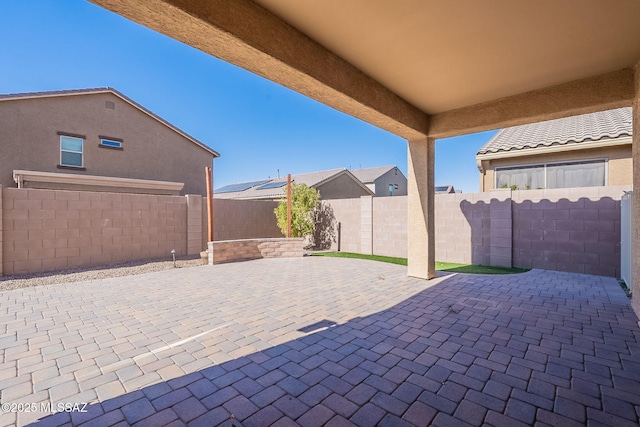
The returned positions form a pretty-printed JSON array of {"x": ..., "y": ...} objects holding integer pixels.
[
  {"x": 598, "y": 93},
  {"x": 246, "y": 34}
]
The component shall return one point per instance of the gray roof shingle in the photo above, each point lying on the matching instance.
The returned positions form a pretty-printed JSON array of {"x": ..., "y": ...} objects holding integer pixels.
[
  {"x": 571, "y": 130},
  {"x": 369, "y": 175}
]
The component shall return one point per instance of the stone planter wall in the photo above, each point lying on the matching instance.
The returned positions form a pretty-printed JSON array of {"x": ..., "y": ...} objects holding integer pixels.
[{"x": 247, "y": 249}]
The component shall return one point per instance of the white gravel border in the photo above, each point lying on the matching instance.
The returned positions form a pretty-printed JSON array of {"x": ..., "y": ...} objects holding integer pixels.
[{"x": 92, "y": 273}]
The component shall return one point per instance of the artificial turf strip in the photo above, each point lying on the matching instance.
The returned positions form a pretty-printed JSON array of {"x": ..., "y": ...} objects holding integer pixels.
[{"x": 441, "y": 266}]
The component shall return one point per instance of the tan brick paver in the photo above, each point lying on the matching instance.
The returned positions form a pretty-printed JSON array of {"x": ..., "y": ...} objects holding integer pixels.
[{"x": 199, "y": 344}]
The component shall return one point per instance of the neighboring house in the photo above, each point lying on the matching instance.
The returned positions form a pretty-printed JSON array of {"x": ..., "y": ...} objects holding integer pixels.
[
  {"x": 383, "y": 181},
  {"x": 332, "y": 184},
  {"x": 580, "y": 151},
  {"x": 99, "y": 140},
  {"x": 445, "y": 189}
]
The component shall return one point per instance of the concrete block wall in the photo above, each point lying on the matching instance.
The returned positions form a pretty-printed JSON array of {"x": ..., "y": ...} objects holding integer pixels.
[
  {"x": 242, "y": 219},
  {"x": 48, "y": 230},
  {"x": 195, "y": 243},
  {"x": 456, "y": 216},
  {"x": 247, "y": 249},
  {"x": 366, "y": 225},
  {"x": 389, "y": 226},
  {"x": 576, "y": 230},
  {"x": 1, "y": 209},
  {"x": 348, "y": 213}
]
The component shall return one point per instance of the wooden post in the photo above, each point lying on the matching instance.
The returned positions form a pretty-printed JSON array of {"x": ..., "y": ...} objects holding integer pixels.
[
  {"x": 289, "y": 205},
  {"x": 209, "y": 205}
]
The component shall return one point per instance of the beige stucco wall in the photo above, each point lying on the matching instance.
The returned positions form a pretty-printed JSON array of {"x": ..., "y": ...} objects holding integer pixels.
[
  {"x": 342, "y": 187},
  {"x": 151, "y": 150},
  {"x": 620, "y": 163}
]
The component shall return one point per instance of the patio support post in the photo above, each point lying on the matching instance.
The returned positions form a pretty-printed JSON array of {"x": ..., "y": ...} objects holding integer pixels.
[
  {"x": 421, "y": 198},
  {"x": 635, "y": 208}
]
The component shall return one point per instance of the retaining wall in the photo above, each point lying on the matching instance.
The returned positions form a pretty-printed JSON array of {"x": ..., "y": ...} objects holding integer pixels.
[{"x": 247, "y": 249}]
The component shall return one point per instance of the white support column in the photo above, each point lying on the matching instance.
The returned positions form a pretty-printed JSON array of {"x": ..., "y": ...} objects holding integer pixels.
[
  {"x": 635, "y": 208},
  {"x": 421, "y": 200}
]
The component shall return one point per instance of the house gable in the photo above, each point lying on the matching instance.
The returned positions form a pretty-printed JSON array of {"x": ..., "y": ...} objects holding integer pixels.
[{"x": 150, "y": 148}]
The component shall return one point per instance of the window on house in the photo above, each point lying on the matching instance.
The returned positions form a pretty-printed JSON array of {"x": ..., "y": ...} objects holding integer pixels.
[
  {"x": 391, "y": 189},
  {"x": 71, "y": 151},
  {"x": 589, "y": 173},
  {"x": 110, "y": 143}
]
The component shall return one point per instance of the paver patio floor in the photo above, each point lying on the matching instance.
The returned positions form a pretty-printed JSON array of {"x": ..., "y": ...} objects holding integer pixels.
[{"x": 322, "y": 341}]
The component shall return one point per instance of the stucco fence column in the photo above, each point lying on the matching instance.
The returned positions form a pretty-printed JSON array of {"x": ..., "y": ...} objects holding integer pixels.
[
  {"x": 421, "y": 203},
  {"x": 635, "y": 208}
]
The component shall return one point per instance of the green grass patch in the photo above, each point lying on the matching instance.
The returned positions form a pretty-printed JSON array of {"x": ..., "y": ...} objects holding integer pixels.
[
  {"x": 441, "y": 266},
  {"x": 392, "y": 260}
]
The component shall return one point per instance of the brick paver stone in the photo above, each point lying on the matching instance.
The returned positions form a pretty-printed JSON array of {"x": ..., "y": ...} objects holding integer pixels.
[{"x": 232, "y": 343}]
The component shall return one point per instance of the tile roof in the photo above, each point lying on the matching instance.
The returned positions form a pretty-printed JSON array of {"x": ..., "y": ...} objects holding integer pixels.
[
  {"x": 69, "y": 92},
  {"x": 311, "y": 179},
  {"x": 369, "y": 175},
  {"x": 571, "y": 130}
]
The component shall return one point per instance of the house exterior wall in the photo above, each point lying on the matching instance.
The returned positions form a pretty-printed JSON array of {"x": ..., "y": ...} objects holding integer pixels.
[
  {"x": 341, "y": 187},
  {"x": 391, "y": 177},
  {"x": 620, "y": 163},
  {"x": 150, "y": 151}
]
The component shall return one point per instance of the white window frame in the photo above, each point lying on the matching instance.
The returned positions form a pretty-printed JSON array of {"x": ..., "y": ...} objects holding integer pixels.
[
  {"x": 81, "y": 152},
  {"x": 605, "y": 160}
]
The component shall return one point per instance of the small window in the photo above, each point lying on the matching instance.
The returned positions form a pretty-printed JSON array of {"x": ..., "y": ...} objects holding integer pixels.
[
  {"x": 71, "y": 151},
  {"x": 110, "y": 143}
]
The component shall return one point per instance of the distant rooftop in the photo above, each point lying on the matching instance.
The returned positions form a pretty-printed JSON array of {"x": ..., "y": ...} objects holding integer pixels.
[
  {"x": 369, "y": 175},
  {"x": 273, "y": 187},
  {"x": 581, "y": 129}
]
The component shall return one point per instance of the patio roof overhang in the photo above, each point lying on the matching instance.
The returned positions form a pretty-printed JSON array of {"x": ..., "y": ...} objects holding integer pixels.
[
  {"x": 416, "y": 69},
  {"x": 425, "y": 69}
]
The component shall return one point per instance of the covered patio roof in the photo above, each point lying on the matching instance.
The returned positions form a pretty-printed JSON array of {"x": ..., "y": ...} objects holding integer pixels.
[{"x": 432, "y": 68}]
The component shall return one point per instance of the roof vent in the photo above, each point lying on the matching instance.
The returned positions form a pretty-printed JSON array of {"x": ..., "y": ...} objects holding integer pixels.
[{"x": 109, "y": 105}]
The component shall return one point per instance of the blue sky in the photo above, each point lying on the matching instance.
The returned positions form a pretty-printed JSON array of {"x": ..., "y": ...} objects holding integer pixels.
[{"x": 257, "y": 126}]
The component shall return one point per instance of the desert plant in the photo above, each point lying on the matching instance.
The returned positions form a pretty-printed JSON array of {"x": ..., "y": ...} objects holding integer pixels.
[{"x": 304, "y": 201}]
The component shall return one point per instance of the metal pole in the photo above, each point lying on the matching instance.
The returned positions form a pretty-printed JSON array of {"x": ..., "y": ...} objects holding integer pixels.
[
  {"x": 288, "y": 205},
  {"x": 207, "y": 171}
]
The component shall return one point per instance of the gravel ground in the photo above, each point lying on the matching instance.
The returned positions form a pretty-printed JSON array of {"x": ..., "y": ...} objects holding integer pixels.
[{"x": 84, "y": 274}]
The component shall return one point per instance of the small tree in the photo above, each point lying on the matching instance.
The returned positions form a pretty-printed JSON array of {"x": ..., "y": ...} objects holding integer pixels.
[{"x": 304, "y": 201}]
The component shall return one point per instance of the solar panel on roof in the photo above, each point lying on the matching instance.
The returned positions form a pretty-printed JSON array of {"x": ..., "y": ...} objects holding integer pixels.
[
  {"x": 276, "y": 184},
  {"x": 239, "y": 187},
  {"x": 442, "y": 189}
]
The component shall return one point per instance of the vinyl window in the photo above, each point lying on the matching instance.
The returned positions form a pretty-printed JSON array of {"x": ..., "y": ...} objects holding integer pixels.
[{"x": 71, "y": 151}]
